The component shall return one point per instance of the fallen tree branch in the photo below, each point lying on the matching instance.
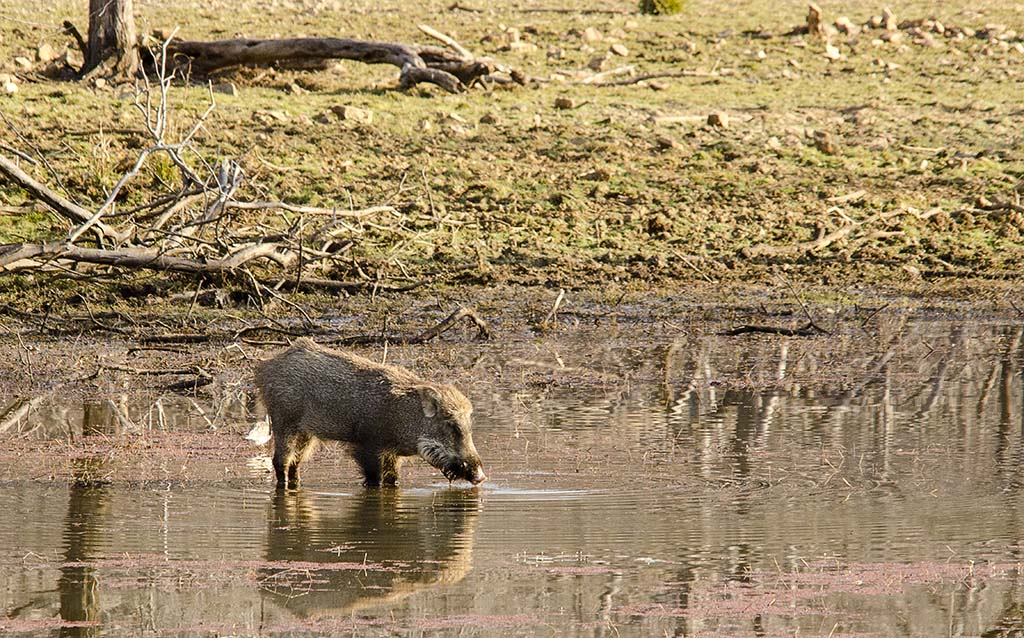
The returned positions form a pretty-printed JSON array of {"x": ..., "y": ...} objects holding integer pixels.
[
  {"x": 806, "y": 330},
  {"x": 138, "y": 257},
  {"x": 447, "y": 39},
  {"x": 195, "y": 229},
  {"x": 17, "y": 409},
  {"x": 685, "y": 73},
  {"x": 61, "y": 205},
  {"x": 483, "y": 331},
  {"x": 822, "y": 241},
  {"x": 448, "y": 69}
]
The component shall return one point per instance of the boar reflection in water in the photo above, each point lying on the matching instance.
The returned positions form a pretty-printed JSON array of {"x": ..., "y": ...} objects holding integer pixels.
[
  {"x": 383, "y": 547},
  {"x": 384, "y": 412}
]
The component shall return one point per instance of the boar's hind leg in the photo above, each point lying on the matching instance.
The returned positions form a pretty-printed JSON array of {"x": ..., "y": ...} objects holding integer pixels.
[
  {"x": 298, "y": 449},
  {"x": 282, "y": 458},
  {"x": 302, "y": 446},
  {"x": 289, "y": 451}
]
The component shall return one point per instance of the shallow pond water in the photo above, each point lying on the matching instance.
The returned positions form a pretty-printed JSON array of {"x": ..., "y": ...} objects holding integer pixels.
[{"x": 863, "y": 486}]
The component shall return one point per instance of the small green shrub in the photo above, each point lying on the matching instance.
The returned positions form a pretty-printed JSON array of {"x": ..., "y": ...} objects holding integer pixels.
[{"x": 661, "y": 7}]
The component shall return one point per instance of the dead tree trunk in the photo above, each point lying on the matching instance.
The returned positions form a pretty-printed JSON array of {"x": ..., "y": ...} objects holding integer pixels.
[
  {"x": 112, "y": 46},
  {"x": 446, "y": 68}
]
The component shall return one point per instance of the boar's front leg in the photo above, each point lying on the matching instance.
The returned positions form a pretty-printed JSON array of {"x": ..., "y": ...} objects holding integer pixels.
[
  {"x": 389, "y": 464},
  {"x": 379, "y": 468},
  {"x": 369, "y": 462}
]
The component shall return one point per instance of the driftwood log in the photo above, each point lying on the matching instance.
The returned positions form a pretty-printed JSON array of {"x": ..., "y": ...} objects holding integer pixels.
[{"x": 451, "y": 69}]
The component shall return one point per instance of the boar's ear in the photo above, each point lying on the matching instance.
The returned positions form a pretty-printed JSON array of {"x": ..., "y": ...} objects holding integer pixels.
[{"x": 431, "y": 401}]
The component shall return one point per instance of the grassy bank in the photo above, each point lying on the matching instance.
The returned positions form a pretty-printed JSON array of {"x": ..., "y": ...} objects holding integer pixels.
[{"x": 893, "y": 157}]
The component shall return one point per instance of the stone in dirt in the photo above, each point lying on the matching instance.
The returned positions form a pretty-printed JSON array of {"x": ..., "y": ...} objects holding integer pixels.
[
  {"x": 718, "y": 119},
  {"x": 45, "y": 53},
  {"x": 353, "y": 114},
  {"x": 879, "y": 143},
  {"x": 889, "y": 20},
  {"x": 23, "y": 62},
  {"x": 845, "y": 26},
  {"x": 823, "y": 142},
  {"x": 619, "y": 49},
  {"x": 227, "y": 88},
  {"x": 521, "y": 47},
  {"x": 597, "y": 175},
  {"x": 566, "y": 103},
  {"x": 591, "y": 34},
  {"x": 666, "y": 143},
  {"x": 269, "y": 117}
]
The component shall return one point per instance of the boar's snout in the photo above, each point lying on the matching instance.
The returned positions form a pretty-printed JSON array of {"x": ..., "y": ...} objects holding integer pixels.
[{"x": 468, "y": 470}]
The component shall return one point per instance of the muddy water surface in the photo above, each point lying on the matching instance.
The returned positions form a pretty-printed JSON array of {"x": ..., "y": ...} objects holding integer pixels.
[{"x": 864, "y": 485}]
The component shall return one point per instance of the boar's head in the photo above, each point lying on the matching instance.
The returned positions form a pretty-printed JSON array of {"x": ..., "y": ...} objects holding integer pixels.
[{"x": 446, "y": 440}]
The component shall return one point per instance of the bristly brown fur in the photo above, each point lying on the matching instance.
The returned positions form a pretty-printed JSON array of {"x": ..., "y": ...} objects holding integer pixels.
[{"x": 384, "y": 412}]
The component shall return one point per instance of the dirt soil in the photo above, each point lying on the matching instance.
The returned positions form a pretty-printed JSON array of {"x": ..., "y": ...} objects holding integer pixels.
[
  {"x": 870, "y": 155},
  {"x": 875, "y": 168}
]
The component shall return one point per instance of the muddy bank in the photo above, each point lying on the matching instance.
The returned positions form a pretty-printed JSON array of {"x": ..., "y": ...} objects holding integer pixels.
[
  {"x": 157, "y": 344},
  {"x": 884, "y": 149},
  {"x": 177, "y": 410}
]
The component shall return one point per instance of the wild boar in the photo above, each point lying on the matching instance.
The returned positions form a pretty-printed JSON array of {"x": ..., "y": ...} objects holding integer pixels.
[{"x": 384, "y": 412}]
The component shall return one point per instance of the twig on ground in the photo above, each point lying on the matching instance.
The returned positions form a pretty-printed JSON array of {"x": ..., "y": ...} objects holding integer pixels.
[
  {"x": 553, "y": 313},
  {"x": 483, "y": 331},
  {"x": 447, "y": 39},
  {"x": 17, "y": 410},
  {"x": 653, "y": 76},
  {"x": 803, "y": 306},
  {"x": 807, "y": 330},
  {"x": 24, "y": 156},
  {"x": 874, "y": 312}
]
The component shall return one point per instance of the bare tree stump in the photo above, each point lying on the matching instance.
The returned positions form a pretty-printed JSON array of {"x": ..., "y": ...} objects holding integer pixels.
[
  {"x": 112, "y": 43},
  {"x": 815, "y": 25}
]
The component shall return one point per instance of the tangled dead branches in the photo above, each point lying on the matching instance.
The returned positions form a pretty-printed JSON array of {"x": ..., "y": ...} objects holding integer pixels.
[{"x": 199, "y": 228}]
